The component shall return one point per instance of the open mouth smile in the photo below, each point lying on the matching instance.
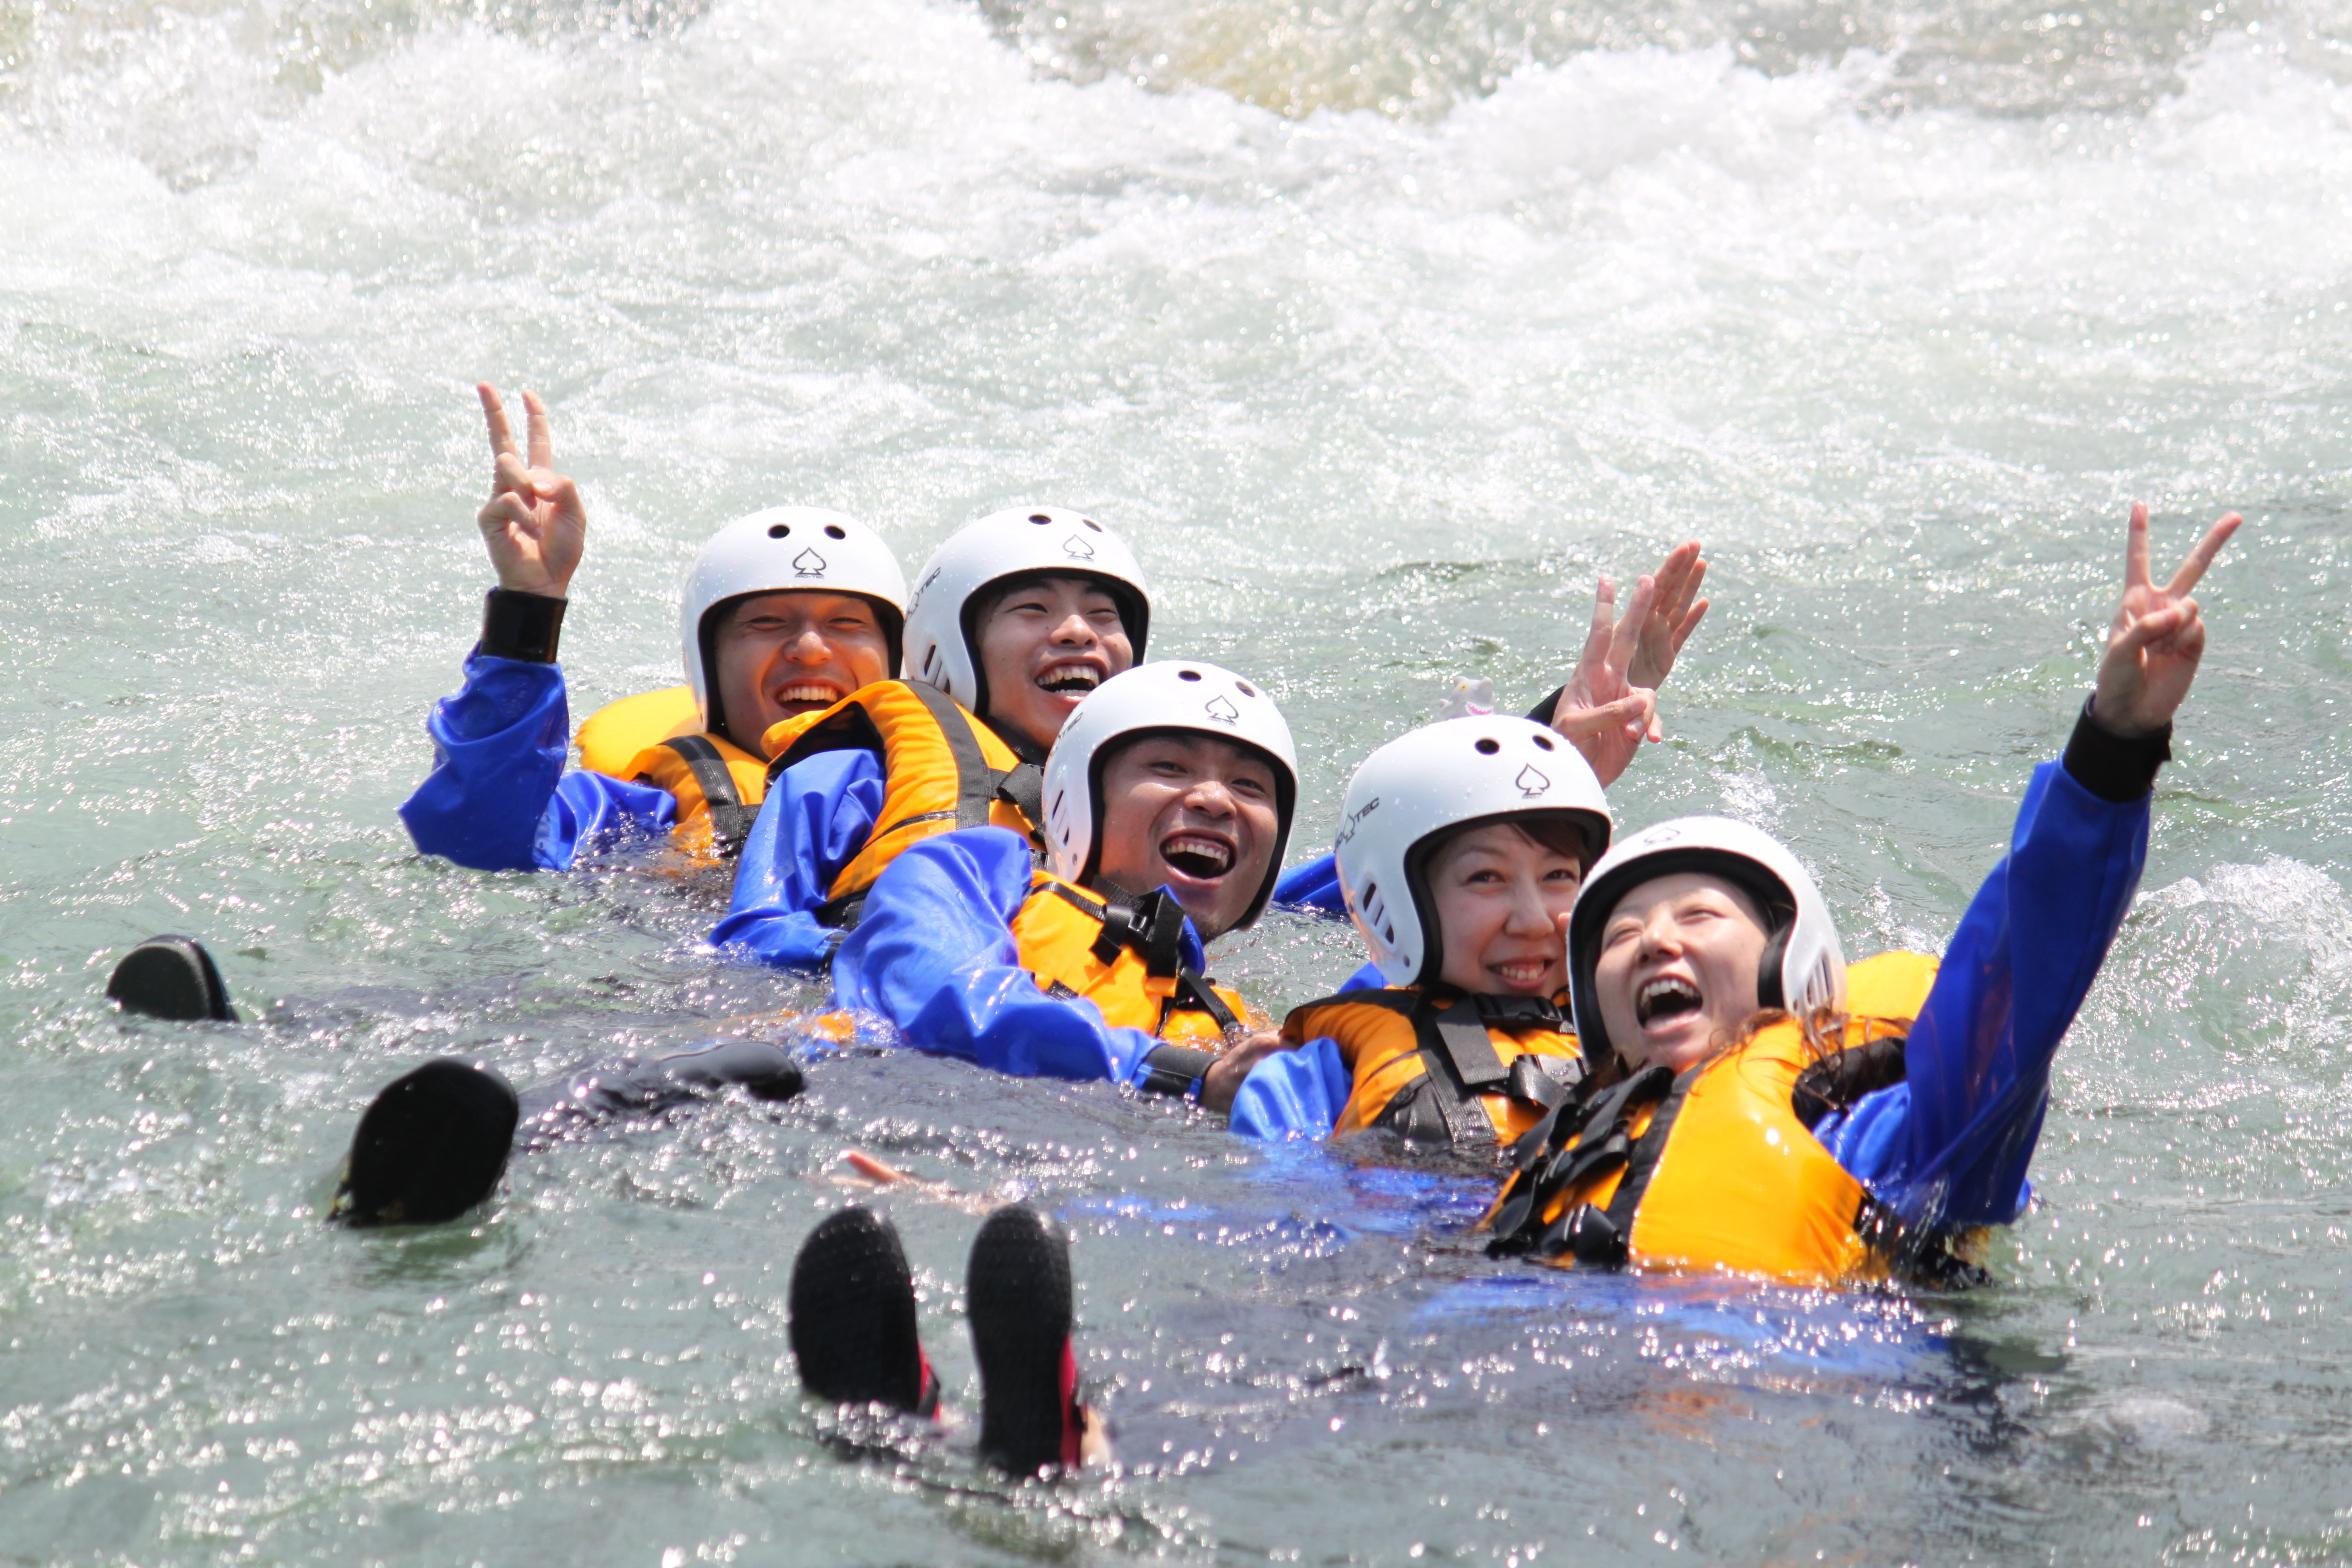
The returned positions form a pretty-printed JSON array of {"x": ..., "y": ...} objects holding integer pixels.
[
  {"x": 1197, "y": 857},
  {"x": 1665, "y": 999},
  {"x": 804, "y": 694},
  {"x": 1070, "y": 677}
]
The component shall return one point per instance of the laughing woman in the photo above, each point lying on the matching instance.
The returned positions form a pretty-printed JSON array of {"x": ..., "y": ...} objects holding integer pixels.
[{"x": 1762, "y": 1108}]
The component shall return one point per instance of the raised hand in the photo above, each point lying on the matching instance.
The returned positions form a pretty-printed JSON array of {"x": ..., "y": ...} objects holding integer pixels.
[
  {"x": 1600, "y": 712},
  {"x": 1674, "y": 614},
  {"x": 532, "y": 525},
  {"x": 2157, "y": 637}
]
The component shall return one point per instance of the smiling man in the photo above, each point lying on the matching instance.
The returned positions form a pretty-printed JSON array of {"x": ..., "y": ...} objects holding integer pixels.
[
  {"x": 1168, "y": 799},
  {"x": 1015, "y": 620},
  {"x": 785, "y": 612}
]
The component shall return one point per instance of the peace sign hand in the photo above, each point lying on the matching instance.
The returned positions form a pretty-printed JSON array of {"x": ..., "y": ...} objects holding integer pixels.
[
  {"x": 2157, "y": 637},
  {"x": 532, "y": 525},
  {"x": 1600, "y": 713}
]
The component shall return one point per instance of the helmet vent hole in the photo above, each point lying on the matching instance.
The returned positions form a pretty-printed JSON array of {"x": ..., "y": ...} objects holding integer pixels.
[
  {"x": 779, "y": 530},
  {"x": 1091, "y": 524},
  {"x": 835, "y": 531},
  {"x": 1388, "y": 935},
  {"x": 1488, "y": 746},
  {"x": 1039, "y": 517},
  {"x": 1188, "y": 675},
  {"x": 1543, "y": 742},
  {"x": 1245, "y": 688}
]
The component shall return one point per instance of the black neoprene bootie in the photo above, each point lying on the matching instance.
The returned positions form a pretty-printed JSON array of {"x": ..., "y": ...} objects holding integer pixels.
[
  {"x": 852, "y": 1309},
  {"x": 1018, "y": 1294},
  {"x": 429, "y": 1147},
  {"x": 171, "y": 977}
]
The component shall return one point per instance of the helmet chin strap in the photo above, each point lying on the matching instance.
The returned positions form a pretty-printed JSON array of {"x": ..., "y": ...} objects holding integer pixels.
[{"x": 1769, "y": 991}]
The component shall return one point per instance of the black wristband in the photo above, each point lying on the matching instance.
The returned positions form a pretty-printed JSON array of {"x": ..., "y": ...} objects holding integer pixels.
[
  {"x": 518, "y": 625},
  {"x": 1542, "y": 712},
  {"x": 1176, "y": 1070},
  {"x": 2121, "y": 768}
]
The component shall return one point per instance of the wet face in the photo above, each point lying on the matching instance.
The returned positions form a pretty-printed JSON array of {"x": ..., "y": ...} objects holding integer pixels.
[
  {"x": 1502, "y": 900},
  {"x": 780, "y": 654},
  {"x": 1195, "y": 815},
  {"x": 1677, "y": 968},
  {"x": 1043, "y": 646}
]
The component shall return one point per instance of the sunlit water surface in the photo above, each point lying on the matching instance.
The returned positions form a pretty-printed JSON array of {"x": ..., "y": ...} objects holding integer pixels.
[{"x": 1380, "y": 326}]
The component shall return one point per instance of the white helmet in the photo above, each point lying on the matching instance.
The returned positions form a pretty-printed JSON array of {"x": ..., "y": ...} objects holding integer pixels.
[
  {"x": 780, "y": 550},
  {"x": 1439, "y": 777},
  {"x": 1180, "y": 695},
  {"x": 1027, "y": 541},
  {"x": 1803, "y": 966}
]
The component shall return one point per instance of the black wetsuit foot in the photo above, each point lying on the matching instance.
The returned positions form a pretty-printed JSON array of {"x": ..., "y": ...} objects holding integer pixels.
[
  {"x": 1018, "y": 1294},
  {"x": 171, "y": 977},
  {"x": 853, "y": 1317},
  {"x": 429, "y": 1147}
]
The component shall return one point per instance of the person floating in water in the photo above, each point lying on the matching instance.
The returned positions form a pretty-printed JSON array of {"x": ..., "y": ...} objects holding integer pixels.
[
  {"x": 784, "y": 612},
  {"x": 1167, "y": 800},
  {"x": 1460, "y": 851},
  {"x": 1015, "y": 619},
  {"x": 1758, "y": 1105}
]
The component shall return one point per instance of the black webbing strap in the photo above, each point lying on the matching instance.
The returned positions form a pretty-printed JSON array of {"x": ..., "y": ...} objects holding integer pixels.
[
  {"x": 1449, "y": 1040},
  {"x": 976, "y": 782},
  {"x": 1460, "y": 1062},
  {"x": 1841, "y": 1078},
  {"x": 730, "y": 818},
  {"x": 1605, "y": 1236},
  {"x": 1022, "y": 787},
  {"x": 1151, "y": 927},
  {"x": 1575, "y": 1142},
  {"x": 1196, "y": 993}
]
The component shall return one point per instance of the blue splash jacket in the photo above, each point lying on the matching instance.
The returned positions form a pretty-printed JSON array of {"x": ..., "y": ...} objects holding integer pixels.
[{"x": 1950, "y": 1145}]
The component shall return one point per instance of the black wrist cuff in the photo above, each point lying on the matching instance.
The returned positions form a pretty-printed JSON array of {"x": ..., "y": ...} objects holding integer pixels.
[
  {"x": 2121, "y": 768},
  {"x": 1542, "y": 712},
  {"x": 1176, "y": 1069},
  {"x": 518, "y": 625}
]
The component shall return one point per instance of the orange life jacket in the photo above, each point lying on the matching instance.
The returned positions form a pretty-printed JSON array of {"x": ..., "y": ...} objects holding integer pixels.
[
  {"x": 1125, "y": 957},
  {"x": 942, "y": 769},
  {"x": 656, "y": 738},
  {"x": 718, "y": 784},
  {"x": 1443, "y": 1066},
  {"x": 1718, "y": 1168}
]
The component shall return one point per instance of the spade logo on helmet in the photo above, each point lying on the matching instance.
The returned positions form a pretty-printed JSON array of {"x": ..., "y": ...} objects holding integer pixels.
[
  {"x": 1077, "y": 549},
  {"x": 1222, "y": 710},
  {"x": 808, "y": 564},
  {"x": 1531, "y": 782}
]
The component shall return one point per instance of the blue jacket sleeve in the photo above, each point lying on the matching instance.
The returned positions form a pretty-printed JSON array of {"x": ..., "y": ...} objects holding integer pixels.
[
  {"x": 1950, "y": 1145},
  {"x": 934, "y": 956},
  {"x": 1294, "y": 1094},
  {"x": 817, "y": 815},
  {"x": 498, "y": 798},
  {"x": 1314, "y": 885}
]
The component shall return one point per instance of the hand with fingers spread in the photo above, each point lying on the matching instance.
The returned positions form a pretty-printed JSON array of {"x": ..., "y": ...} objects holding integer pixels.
[
  {"x": 1601, "y": 712},
  {"x": 532, "y": 525},
  {"x": 2157, "y": 637},
  {"x": 1675, "y": 612}
]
